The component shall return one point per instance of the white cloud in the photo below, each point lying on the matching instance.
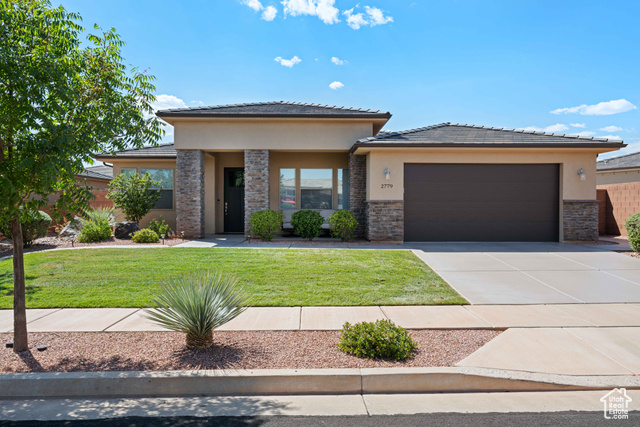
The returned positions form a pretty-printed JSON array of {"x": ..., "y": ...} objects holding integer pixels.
[
  {"x": 269, "y": 13},
  {"x": 600, "y": 109},
  {"x": 578, "y": 125},
  {"x": 253, "y": 4},
  {"x": 585, "y": 133},
  {"x": 196, "y": 102},
  {"x": 610, "y": 136},
  {"x": 558, "y": 127},
  {"x": 611, "y": 129},
  {"x": 323, "y": 9},
  {"x": 355, "y": 21},
  {"x": 376, "y": 16},
  {"x": 336, "y": 85},
  {"x": 338, "y": 61},
  {"x": 288, "y": 62},
  {"x": 165, "y": 102},
  {"x": 373, "y": 17}
]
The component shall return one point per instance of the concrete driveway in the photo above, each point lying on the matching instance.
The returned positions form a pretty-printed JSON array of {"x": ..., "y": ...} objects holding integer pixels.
[{"x": 535, "y": 273}]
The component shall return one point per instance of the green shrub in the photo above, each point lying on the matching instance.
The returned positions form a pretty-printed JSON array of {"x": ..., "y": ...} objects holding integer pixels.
[
  {"x": 382, "y": 339},
  {"x": 108, "y": 214},
  {"x": 135, "y": 195},
  {"x": 159, "y": 226},
  {"x": 145, "y": 235},
  {"x": 307, "y": 223},
  {"x": 632, "y": 225},
  {"x": 35, "y": 224},
  {"x": 343, "y": 224},
  {"x": 265, "y": 224},
  {"x": 94, "y": 231},
  {"x": 196, "y": 305}
]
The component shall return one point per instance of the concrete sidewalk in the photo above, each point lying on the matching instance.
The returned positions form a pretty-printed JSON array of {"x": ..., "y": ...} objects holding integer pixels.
[{"x": 332, "y": 318}]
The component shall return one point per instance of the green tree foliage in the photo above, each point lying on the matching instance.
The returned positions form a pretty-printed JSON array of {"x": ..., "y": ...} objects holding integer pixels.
[
  {"x": 133, "y": 194},
  {"x": 632, "y": 225},
  {"x": 60, "y": 102}
]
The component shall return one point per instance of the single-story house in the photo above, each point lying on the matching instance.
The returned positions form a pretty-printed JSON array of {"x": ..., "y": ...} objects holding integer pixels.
[
  {"x": 618, "y": 181},
  {"x": 97, "y": 177},
  {"x": 446, "y": 182}
]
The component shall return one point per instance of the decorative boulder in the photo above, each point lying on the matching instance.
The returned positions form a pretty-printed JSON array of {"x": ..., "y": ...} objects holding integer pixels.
[
  {"x": 125, "y": 229},
  {"x": 72, "y": 229}
]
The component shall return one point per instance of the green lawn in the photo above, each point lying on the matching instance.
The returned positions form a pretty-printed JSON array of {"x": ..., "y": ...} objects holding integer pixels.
[{"x": 272, "y": 277}]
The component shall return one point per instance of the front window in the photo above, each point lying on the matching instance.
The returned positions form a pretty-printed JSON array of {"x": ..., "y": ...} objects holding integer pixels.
[
  {"x": 316, "y": 188},
  {"x": 287, "y": 188},
  {"x": 165, "y": 176},
  {"x": 128, "y": 171},
  {"x": 343, "y": 188}
]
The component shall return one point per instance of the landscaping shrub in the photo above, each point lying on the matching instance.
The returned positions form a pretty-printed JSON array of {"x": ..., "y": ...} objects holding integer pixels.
[
  {"x": 382, "y": 339},
  {"x": 145, "y": 235},
  {"x": 307, "y": 223},
  {"x": 134, "y": 194},
  {"x": 35, "y": 224},
  {"x": 159, "y": 226},
  {"x": 632, "y": 225},
  {"x": 198, "y": 304},
  {"x": 265, "y": 224},
  {"x": 107, "y": 214},
  {"x": 94, "y": 231},
  {"x": 343, "y": 224}
]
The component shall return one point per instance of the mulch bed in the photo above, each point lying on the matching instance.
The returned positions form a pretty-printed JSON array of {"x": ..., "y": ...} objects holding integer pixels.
[
  {"x": 155, "y": 351},
  {"x": 54, "y": 242}
]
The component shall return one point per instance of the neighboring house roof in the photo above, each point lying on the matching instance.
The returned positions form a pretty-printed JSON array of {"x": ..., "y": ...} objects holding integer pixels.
[
  {"x": 628, "y": 161},
  {"x": 275, "y": 109},
  {"x": 455, "y": 135},
  {"x": 98, "y": 172},
  {"x": 162, "y": 151}
]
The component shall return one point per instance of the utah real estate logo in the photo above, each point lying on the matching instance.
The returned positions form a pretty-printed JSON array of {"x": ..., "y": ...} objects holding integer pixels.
[{"x": 616, "y": 404}]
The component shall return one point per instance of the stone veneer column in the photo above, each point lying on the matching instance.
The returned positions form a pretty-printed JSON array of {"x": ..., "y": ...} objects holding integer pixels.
[
  {"x": 385, "y": 221},
  {"x": 256, "y": 183},
  {"x": 580, "y": 220},
  {"x": 190, "y": 193},
  {"x": 358, "y": 191}
]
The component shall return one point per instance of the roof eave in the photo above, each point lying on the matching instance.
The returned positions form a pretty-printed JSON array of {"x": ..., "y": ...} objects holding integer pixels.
[
  {"x": 483, "y": 145},
  {"x": 128, "y": 157},
  {"x": 169, "y": 114}
]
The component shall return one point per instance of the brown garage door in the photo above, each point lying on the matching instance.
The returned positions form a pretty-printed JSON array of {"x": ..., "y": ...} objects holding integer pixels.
[{"x": 481, "y": 202}]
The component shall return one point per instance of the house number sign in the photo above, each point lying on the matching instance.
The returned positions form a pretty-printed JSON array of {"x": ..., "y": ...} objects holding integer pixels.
[{"x": 386, "y": 185}]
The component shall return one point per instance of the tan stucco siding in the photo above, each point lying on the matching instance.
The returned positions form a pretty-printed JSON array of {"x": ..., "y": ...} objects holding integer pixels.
[
  {"x": 570, "y": 161},
  {"x": 617, "y": 177},
  {"x": 169, "y": 215},
  {"x": 270, "y": 135},
  {"x": 209, "y": 193}
]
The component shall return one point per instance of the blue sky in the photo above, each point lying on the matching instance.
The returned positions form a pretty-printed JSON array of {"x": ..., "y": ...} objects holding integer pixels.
[{"x": 564, "y": 66}]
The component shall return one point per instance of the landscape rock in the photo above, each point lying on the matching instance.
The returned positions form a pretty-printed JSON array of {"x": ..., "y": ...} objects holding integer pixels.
[
  {"x": 124, "y": 229},
  {"x": 72, "y": 229}
]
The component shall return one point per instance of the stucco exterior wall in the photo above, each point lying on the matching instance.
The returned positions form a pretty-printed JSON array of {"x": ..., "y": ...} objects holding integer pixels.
[
  {"x": 571, "y": 186},
  {"x": 617, "y": 177},
  {"x": 273, "y": 134},
  {"x": 169, "y": 215}
]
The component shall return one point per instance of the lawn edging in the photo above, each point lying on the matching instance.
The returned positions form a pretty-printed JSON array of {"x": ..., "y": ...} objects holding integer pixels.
[{"x": 296, "y": 382}]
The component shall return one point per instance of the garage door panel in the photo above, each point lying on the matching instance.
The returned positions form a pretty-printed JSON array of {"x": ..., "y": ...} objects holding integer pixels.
[{"x": 481, "y": 202}]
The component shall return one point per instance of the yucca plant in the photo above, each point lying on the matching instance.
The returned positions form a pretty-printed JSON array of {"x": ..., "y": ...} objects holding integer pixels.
[
  {"x": 107, "y": 214},
  {"x": 197, "y": 304}
]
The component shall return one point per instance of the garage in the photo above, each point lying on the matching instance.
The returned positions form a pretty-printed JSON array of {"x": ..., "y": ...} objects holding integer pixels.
[{"x": 481, "y": 202}]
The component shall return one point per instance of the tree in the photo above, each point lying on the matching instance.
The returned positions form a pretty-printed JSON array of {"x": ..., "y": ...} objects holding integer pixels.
[
  {"x": 133, "y": 194},
  {"x": 60, "y": 102}
]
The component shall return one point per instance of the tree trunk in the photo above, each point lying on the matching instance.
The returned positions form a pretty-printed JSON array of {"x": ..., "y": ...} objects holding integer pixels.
[{"x": 20, "y": 342}]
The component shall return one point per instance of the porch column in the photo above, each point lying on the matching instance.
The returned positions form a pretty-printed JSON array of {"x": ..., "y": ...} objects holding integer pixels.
[
  {"x": 256, "y": 183},
  {"x": 358, "y": 191},
  {"x": 190, "y": 193}
]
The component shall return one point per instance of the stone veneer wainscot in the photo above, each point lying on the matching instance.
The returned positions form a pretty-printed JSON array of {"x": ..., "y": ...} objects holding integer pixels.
[
  {"x": 580, "y": 220},
  {"x": 385, "y": 221},
  {"x": 358, "y": 191}
]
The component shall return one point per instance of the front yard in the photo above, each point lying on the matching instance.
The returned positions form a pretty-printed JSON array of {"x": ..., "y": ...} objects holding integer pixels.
[{"x": 272, "y": 277}]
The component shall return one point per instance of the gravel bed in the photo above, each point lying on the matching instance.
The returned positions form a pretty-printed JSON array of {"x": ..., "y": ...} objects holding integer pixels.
[
  {"x": 629, "y": 253},
  {"x": 54, "y": 242},
  {"x": 154, "y": 351}
]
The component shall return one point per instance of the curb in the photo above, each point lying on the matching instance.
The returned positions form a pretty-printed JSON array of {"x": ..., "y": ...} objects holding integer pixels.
[{"x": 297, "y": 382}]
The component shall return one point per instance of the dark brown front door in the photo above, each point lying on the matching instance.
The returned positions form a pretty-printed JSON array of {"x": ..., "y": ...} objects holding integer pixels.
[
  {"x": 234, "y": 200},
  {"x": 481, "y": 202}
]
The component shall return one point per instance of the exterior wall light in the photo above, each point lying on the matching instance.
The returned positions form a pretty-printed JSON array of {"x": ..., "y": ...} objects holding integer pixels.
[
  {"x": 583, "y": 176},
  {"x": 387, "y": 174}
]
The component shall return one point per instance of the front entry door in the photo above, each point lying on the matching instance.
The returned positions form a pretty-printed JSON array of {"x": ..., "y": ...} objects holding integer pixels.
[{"x": 234, "y": 200}]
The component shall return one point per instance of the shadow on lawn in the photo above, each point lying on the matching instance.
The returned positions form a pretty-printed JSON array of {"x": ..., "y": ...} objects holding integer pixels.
[{"x": 6, "y": 285}]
